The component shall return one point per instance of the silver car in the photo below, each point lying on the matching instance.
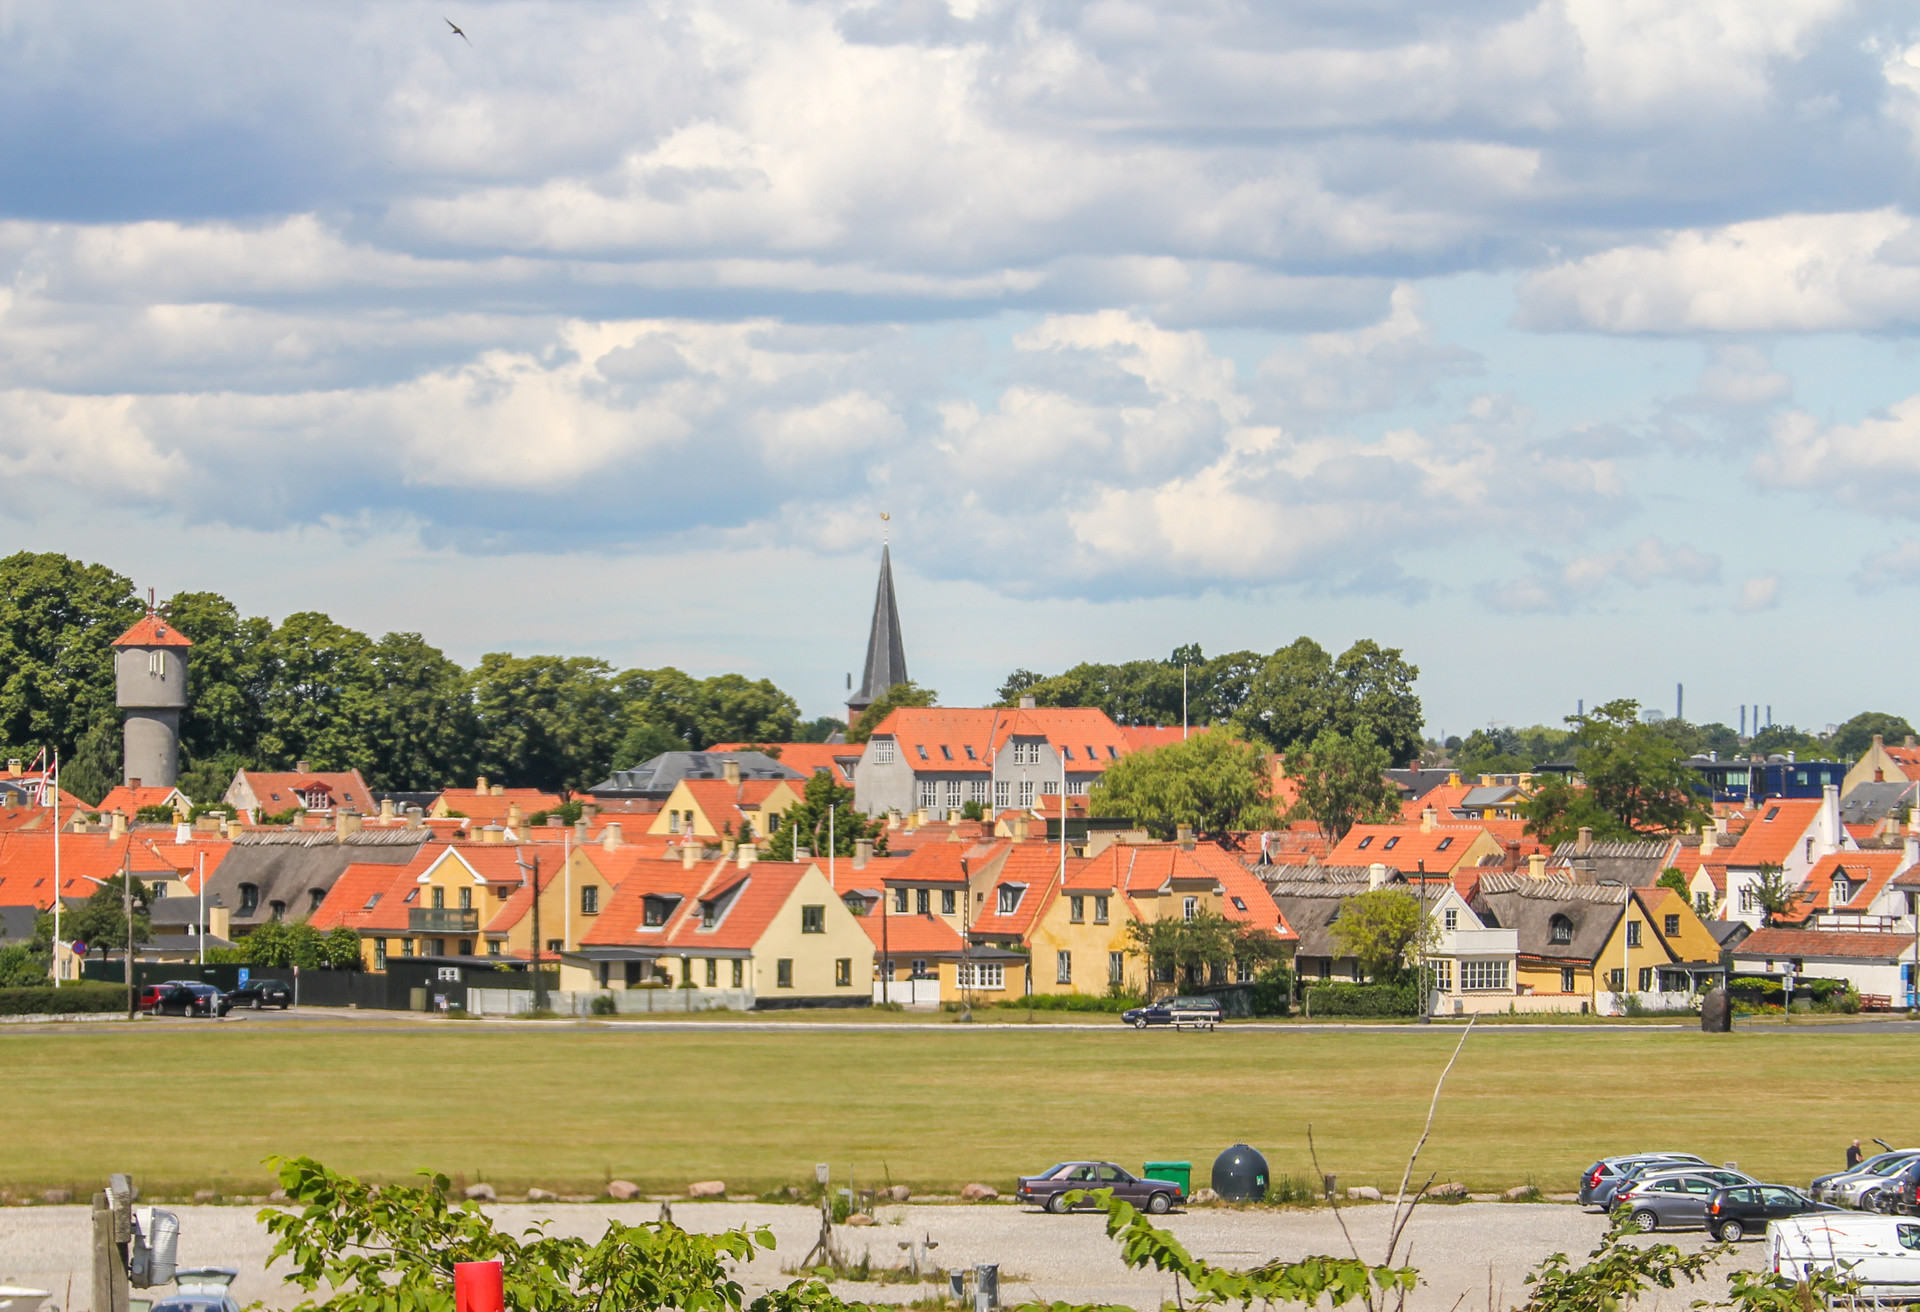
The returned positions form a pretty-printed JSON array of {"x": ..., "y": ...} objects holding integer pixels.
[
  {"x": 1675, "y": 1200},
  {"x": 1860, "y": 1187}
]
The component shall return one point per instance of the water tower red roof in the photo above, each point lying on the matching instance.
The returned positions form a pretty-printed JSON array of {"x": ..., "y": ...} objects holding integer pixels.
[{"x": 152, "y": 631}]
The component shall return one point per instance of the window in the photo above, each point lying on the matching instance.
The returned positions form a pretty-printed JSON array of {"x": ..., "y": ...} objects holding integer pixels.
[
  {"x": 1482, "y": 975},
  {"x": 1451, "y": 918},
  {"x": 713, "y": 972},
  {"x": 1077, "y": 909},
  {"x": 843, "y": 973},
  {"x": 977, "y": 791},
  {"x": 946, "y": 752},
  {"x": 590, "y": 900},
  {"x": 157, "y": 664},
  {"x": 946, "y": 902},
  {"x": 918, "y": 968},
  {"x": 1909, "y": 1236},
  {"x": 249, "y": 899},
  {"x": 1391, "y": 843},
  {"x": 1116, "y": 967},
  {"x": 1442, "y": 974},
  {"x": 1633, "y": 933},
  {"x": 279, "y": 909},
  {"x": 1616, "y": 981},
  {"x": 1749, "y": 898},
  {"x": 653, "y": 912},
  {"x": 1010, "y": 898},
  {"x": 1066, "y": 752},
  {"x": 1646, "y": 979},
  {"x": 922, "y": 749},
  {"x": 1566, "y": 979},
  {"x": 466, "y": 899},
  {"x": 1243, "y": 972},
  {"x": 406, "y": 947},
  {"x": 412, "y": 893},
  {"x": 1026, "y": 794},
  {"x": 1842, "y": 893},
  {"x": 1772, "y": 811},
  {"x": 813, "y": 920},
  {"x": 929, "y": 792},
  {"x": 1809, "y": 849},
  {"x": 1238, "y": 904},
  {"x": 379, "y": 954},
  {"x": 1099, "y": 909},
  {"x": 439, "y": 898},
  {"x": 709, "y": 913},
  {"x": 673, "y": 822},
  {"x": 883, "y": 751},
  {"x": 1190, "y": 908},
  {"x": 371, "y": 902},
  {"x": 493, "y": 947},
  {"x": 783, "y": 973},
  {"x": 1063, "y": 968},
  {"x": 1672, "y": 926},
  {"x": 953, "y": 794},
  {"x": 1443, "y": 844},
  {"x": 982, "y": 975},
  {"x": 739, "y": 972},
  {"x": 970, "y": 754},
  {"x": 922, "y": 901},
  {"x": 855, "y": 903},
  {"x": 1366, "y": 842},
  {"x": 900, "y": 901}
]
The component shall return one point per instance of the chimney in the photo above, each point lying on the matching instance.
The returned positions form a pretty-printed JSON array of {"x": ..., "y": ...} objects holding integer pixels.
[
  {"x": 133, "y": 783},
  {"x": 1537, "y": 865},
  {"x": 1526, "y": 782},
  {"x": 118, "y": 825},
  {"x": 589, "y": 809},
  {"x": 1879, "y": 775},
  {"x": 1019, "y": 827},
  {"x": 302, "y": 767},
  {"x": 386, "y": 808},
  {"x": 611, "y": 835},
  {"x": 1429, "y": 819},
  {"x": 1790, "y": 756},
  {"x": 493, "y": 834},
  {"x": 1912, "y": 855},
  {"x": 1878, "y": 743},
  {"x": 1026, "y": 702},
  {"x": 183, "y": 832},
  {"x": 219, "y": 922},
  {"x": 1709, "y": 837},
  {"x": 1583, "y": 844},
  {"x": 921, "y": 819},
  {"x": 580, "y": 831},
  {"x": 345, "y": 822},
  {"x": 513, "y": 815},
  {"x": 1183, "y": 835},
  {"x": 1512, "y": 860},
  {"x": 234, "y": 829},
  {"x": 1830, "y": 831},
  {"x": 415, "y": 817},
  {"x": 862, "y": 852},
  {"x": 13, "y": 765},
  {"x": 207, "y": 824},
  {"x": 1486, "y": 781},
  {"x": 730, "y": 770},
  {"x": 480, "y": 786},
  {"x": 689, "y": 853},
  {"x": 1453, "y": 779},
  {"x": 1376, "y": 876},
  {"x": 745, "y": 854},
  {"x": 497, "y": 790}
]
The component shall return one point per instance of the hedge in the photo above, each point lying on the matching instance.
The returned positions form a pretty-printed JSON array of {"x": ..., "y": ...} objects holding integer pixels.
[
  {"x": 1771, "y": 992},
  {"x": 1363, "y": 1000},
  {"x": 68, "y": 999},
  {"x": 1068, "y": 1002}
]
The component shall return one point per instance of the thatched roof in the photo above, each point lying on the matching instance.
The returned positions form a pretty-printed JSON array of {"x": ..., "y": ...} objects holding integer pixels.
[{"x": 1529, "y": 907}]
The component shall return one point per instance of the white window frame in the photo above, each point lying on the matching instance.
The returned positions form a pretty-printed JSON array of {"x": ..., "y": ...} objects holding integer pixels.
[
  {"x": 1063, "y": 968},
  {"x": 883, "y": 751},
  {"x": 1481, "y": 975},
  {"x": 1442, "y": 973},
  {"x": 953, "y": 794},
  {"x": 982, "y": 975},
  {"x": 929, "y": 793},
  {"x": 1026, "y": 794},
  {"x": 1002, "y": 794},
  {"x": 1116, "y": 967}
]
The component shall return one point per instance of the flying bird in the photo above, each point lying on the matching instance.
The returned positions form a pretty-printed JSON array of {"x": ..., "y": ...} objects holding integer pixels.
[{"x": 457, "y": 32}]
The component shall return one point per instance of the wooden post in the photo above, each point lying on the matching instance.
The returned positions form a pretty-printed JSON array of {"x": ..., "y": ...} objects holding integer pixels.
[{"x": 112, "y": 1231}]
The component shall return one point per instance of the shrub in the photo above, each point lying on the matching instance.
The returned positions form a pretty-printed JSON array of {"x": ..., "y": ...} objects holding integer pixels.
[
  {"x": 67, "y": 1000},
  {"x": 155, "y": 815},
  {"x": 1069, "y": 1002},
  {"x": 603, "y": 1005},
  {"x": 1273, "y": 990},
  {"x": 1363, "y": 1000}
]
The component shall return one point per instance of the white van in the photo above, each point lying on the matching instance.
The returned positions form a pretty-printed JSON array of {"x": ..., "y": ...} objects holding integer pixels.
[{"x": 1881, "y": 1252}]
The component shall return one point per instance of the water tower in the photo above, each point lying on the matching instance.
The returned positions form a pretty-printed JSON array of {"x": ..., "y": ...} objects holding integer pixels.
[{"x": 150, "y": 687}]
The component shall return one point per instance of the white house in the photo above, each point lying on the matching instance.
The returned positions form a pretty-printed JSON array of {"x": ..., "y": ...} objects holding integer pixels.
[
  {"x": 1472, "y": 968},
  {"x": 1873, "y": 961}
]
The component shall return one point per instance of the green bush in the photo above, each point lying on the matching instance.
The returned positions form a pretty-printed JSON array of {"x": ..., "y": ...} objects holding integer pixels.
[
  {"x": 1363, "y": 1000},
  {"x": 603, "y": 1005},
  {"x": 1069, "y": 1002},
  {"x": 1273, "y": 990},
  {"x": 67, "y": 1000}
]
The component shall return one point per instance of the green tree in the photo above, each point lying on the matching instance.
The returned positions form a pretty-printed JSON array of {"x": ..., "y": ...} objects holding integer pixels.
[
  {"x": 1379, "y": 930},
  {"x": 642, "y": 742},
  {"x": 1779, "y": 739},
  {"x": 421, "y": 728},
  {"x": 1558, "y": 810},
  {"x": 1373, "y": 689},
  {"x": 1211, "y": 781},
  {"x": 1342, "y": 782},
  {"x": 1300, "y": 691},
  {"x": 22, "y": 967},
  {"x": 819, "y": 730},
  {"x": 807, "y": 822},
  {"x": 58, "y": 619},
  {"x": 1775, "y": 896},
  {"x": 1189, "y": 951},
  {"x": 321, "y": 695},
  {"x": 1852, "y": 739},
  {"x": 549, "y": 722},
  {"x": 901, "y": 694},
  {"x": 101, "y": 921},
  {"x": 736, "y": 709},
  {"x": 1498, "y": 751},
  {"x": 95, "y": 766},
  {"x": 1676, "y": 879},
  {"x": 226, "y": 679},
  {"x": 1636, "y": 774}
]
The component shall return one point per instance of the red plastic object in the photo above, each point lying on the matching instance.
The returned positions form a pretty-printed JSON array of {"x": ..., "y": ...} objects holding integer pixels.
[{"x": 478, "y": 1287}]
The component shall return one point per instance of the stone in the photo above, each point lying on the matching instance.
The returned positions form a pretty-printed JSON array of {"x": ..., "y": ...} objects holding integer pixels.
[
  {"x": 979, "y": 1193},
  {"x": 899, "y": 1193},
  {"x": 1716, "y": 1012},
  {"x": 1453, "y": 1189},
  {"x": 1521, "y": 1193},
  {"x": 201, "y": 1197},
  {"x": 57, "y": 1196},
  {"x": 622, "y": 1191},
  {"x": 860, "y": 1218},
  {"x": 1363, "y": 1193},
  {"x": 542, "y": 1196},
  {"x": 1202, "y": 1197},
  {"x": 707, "y": 1189},
  {"x": 480, "y": 1193},
  {"x": 277, "y": 1196}
]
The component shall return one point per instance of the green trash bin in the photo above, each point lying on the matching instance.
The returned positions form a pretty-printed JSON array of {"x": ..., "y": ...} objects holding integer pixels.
[{"x": 1180, "y": 1173}]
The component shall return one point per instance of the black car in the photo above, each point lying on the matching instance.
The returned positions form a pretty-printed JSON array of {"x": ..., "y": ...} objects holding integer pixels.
[
  {"x": 258, "y": 993},
  {"x": 1900, "y": 1195},
  {"x": 1746, "y": 1209},
  {"x": 1200, "y": 1013},
  {"x": 190, "y": 998},
  {"x": 1050, "y": 1188}
]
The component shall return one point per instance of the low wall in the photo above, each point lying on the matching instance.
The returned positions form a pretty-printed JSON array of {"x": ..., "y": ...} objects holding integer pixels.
[
  {"x": 626, "y": 1002},
  {"x": 1501, "y": 1004}
]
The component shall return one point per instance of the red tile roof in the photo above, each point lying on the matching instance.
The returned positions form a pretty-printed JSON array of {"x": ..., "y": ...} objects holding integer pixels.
[
  {"x": 275, "y": 788},
  {"x": 129, "y": 801},
  {"x": 1863, "y": 944},
  {"x": 490, "y": 808},
  {"x": 911, "y": 935},
  {"x": 26, "y": 865},
  {"x": 1441, "y": 847},
  {"x": 805, "y": 758},
  {"x": 1094, "y": 740},
  {"x": 1867, "y": 872},
  {"x": 152, "y": 631},
  {"x": 761, "y": 891},
  {"x": 1766, "y": 841},
  {"x": 1037, "y": 866}
]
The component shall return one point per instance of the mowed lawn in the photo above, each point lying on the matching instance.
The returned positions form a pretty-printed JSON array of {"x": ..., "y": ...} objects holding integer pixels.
[{"x": 568, "y": 1108}]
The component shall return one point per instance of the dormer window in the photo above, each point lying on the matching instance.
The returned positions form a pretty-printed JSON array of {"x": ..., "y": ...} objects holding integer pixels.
[
  {"x": 315, "y": 896},
  {"x": 1010, "y": 898},
  {"x": 249, "y": 899},
  {"x": 279, "y": 909},
  {"x": 1842, "y": 892},
  {"x": 1560, "y": 930},
  {"x": 655, "y": 913}
]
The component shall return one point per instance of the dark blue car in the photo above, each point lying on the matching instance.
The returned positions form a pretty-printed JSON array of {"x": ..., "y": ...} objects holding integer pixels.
[{"x": 1181, "y": 1013}]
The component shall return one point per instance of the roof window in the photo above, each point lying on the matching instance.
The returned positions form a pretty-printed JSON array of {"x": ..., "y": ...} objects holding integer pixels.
[
  {"x": 1239, "y": 905},
  {"x": 1391, "y": 843},
  {"x": 1772, "y": 811},
  {"x": 922, "y": 749},
  {"x": 1112, "y": 753},
  {"x": 969, "y": 751},
  {"x": 1444, "y": 844},
  {"x": 370, "y": 902},
  {"x": 1066, "y": 751},
  {"x": 946, "y": 752},
  {"x": 1366, "y": 842}
]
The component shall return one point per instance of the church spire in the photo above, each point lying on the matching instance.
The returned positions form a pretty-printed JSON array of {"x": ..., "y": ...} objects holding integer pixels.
[{"x": 886, "y": 657}]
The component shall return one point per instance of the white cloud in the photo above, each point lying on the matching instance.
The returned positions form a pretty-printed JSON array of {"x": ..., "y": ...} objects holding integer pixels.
[
  {"x": 1873, "y": 462},
  {"x": 1758, "y": 594},
  {"x": 1896, "y": 567},
  {"x": 1565, "y": 585}
]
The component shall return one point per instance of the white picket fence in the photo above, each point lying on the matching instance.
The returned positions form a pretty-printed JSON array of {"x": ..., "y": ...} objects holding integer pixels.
[{"x": 626, "y": 1002}]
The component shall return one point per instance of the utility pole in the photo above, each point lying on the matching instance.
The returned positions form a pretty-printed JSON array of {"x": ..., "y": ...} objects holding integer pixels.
[
  {"x": 126, "y": 892},
  {"x": 539, "y": 980}
]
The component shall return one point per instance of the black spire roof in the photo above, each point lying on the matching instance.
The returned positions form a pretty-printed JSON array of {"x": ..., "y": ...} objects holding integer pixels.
[{"x": 886, "y": 657}]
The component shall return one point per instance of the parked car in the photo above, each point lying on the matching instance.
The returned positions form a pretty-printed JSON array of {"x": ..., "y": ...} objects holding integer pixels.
[
  {"x": 1861, "y": 1187},
  {"x": 258, "y": 993},
  {"x": 1604, "y": 1176},
  {"x": 1050, "y": 1188},
  {"x": 1899, "y": 1193},
  {"x": 150, "y": 994},
  {"x": 1200, "y": 1013},
  {"x": 191, "y": 998},
  {"x": 1662, "y": 1200},
  {"x": 1881, "y": 1252},
  {"x": 1749, "y": 1209}
]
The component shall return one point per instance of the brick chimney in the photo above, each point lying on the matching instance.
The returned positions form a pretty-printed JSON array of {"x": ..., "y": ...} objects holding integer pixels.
[
  {"x": 1709, "y": 837},
  {"x": 611, "y": 835},
  {"x": 1537, "y": 865},
  {"x": 1027, "y": 702},
  {"x": 386, "y": 808},
  {"x": 1429, "y": 819},
  {"x": 730, "y": 770},
  {"x": 1583, "y": 844},
  {"x": 745, "y": 854},
  {"x": 493, "y": 834},
  {"x": 302, "y": 767},
  {"x": 1453, "y": 779},
  {"x": 345, "y": 822},
  {"x": 497, "y": 790},
  {"x": 580, "y": 832},
  {"x": 514, "y": 815},
  {"x": 117, "y": 825},
  {"x": 689, "y": 853},
  {"x": 1019, "y": 827},
  {"x": 862, "y": 852},
  {"x": 480, "y": 786},
  {"x": 1183, "y": 835}
]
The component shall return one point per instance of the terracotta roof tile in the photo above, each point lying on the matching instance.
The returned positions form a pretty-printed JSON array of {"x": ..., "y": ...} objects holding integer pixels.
[
  {"x": 1864, "y": 944},
  {"x": 152, "y": 631}
]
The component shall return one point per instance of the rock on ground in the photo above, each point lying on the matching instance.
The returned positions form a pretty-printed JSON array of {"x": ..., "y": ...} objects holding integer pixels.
[
  {"x": 899, "y": 1193},
  {"x": 1201, "y": 1197},
  {"x": 480, "y": 1193},
  {"x": 707, "y": 1189},
  {"x": 57, "y": 1196},
  {"x": 542, "y": 1196},
  {"x": 202, "y": 1197},
  {"x": 1363, "y": 1193},
  {"x": 622, "y": 1190},
  {"x": 1521, "y": 1193},
  {"x": 859, "y": 1218},
  {"x": 1451, "y": 1189},
  {"x": 979, "y": 1193}
]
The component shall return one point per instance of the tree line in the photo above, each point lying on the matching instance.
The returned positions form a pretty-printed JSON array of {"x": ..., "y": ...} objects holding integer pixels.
[
  {"x": 265, "y": 696},
  {"x": 1505, "y": 749}
]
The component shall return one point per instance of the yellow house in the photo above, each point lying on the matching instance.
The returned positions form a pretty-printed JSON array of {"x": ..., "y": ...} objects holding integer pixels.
[
  {"x": 1883, "y": 764},
  {"x": 723, "y": 808}
]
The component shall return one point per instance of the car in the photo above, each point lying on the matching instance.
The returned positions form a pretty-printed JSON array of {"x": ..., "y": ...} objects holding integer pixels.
[
  {"x": 1200, "y": 1013},
  {"x": 1899, "y": 1193},
  {"x": 1882, "y": 1253},
  {"x": 191, "y": 998},
  {"x": 1861, "y": 1187},
  {"x": 1599, "y": 1181},
  {"x": 150, "y": 994},
  {"x": 1662, "y": 1200},
  {"x": 1748, "y": 1209},
  {"x": 208, "y": 1301},
  {"x": 258, "y": 993},
  {"x": 1050, "y": 1188}
]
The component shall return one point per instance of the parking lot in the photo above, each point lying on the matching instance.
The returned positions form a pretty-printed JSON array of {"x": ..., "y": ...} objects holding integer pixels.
[{"x": 1471, "y": 1255}]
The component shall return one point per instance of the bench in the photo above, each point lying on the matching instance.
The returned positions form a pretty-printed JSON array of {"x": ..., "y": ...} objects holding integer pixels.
[{"x": 1875, "y": 1002}]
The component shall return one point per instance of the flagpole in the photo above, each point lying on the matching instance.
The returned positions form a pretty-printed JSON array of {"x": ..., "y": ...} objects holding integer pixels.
[
  {"x": 56, "y": 868},
  {"x": 201, "y": 933}
]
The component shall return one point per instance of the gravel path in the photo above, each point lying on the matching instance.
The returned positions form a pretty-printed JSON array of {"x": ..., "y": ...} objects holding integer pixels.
[{"x": 1460, "y": 1249}]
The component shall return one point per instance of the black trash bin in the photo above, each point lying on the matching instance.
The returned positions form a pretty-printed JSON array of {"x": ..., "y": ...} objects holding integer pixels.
[{"x": 1240, "y": 1175}]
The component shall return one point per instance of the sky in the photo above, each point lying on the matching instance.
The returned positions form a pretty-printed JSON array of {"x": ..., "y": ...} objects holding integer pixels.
[{"x": 1568, "y": 346}]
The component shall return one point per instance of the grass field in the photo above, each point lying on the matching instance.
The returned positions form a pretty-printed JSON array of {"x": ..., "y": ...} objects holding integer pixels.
[{"x": 569, "y": 1108}]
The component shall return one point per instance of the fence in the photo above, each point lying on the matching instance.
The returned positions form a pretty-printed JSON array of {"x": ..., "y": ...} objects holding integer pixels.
[
  {"x": 626, "y": 1002},
  {"x": 908, "y": 992}
]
